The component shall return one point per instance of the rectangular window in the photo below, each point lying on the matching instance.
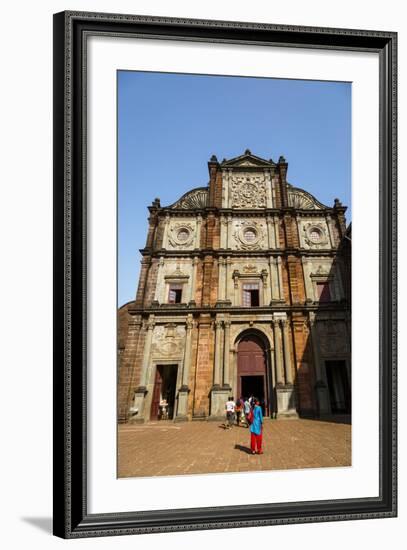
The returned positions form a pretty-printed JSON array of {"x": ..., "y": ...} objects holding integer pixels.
[
  {"x": 175, "y": 294},
  {"x": 323, "y": 292},
  {"x": 251, "y": 295}
]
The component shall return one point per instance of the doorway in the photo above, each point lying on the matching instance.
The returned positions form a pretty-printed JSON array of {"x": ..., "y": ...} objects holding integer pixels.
[
  {"x": 338, "y": 385},
  {"x": 252, "y": 376},
  {"x": 163, "y": 400}
]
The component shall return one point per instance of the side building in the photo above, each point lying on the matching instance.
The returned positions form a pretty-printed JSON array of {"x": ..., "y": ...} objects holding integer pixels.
[{"x": 243, "y": 290}]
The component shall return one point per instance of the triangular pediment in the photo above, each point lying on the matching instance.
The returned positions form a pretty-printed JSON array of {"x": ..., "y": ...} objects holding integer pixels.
[{"x": 247, "y": 160}]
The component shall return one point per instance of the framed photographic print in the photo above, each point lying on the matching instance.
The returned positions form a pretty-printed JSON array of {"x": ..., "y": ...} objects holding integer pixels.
[{"x": 225, "y": 274}]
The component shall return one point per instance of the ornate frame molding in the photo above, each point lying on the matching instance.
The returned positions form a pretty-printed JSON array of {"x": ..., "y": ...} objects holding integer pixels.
[{"x": 71, "y": 517}]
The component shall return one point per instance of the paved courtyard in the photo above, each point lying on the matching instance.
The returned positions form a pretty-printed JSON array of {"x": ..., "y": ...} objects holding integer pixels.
[{"x": 168, "y": 448}]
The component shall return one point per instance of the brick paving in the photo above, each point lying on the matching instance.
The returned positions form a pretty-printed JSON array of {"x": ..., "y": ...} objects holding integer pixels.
[{"x": 168, "y": 448}]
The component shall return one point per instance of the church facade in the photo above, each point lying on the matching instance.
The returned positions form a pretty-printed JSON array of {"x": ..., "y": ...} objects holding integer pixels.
[{"x": 244, "y": 290}]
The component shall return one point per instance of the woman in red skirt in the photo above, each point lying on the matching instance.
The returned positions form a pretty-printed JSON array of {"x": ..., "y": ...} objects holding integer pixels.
[{"x": 256, "y": 429}]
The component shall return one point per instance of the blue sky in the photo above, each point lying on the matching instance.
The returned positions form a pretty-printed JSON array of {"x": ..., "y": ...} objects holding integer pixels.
[{"x": 169, "y": 125}]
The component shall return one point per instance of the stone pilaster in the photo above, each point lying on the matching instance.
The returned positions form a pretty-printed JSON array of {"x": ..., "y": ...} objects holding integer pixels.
[
  {"x": 330, "y": 231},
  {"x": 226, "y": 356},
  {"x": 197, "y": 241},
  {"x": 223, "y": 231},
  {"x": 218, "y": 356},
  {"x": 182, "y": 408},
  {"x": 222, "y": 280},
  {"x": 141, "y": 390},
  {"x": 219, "y": 394},
  {"x": 228, "y": 280},
  {"x": 321, "y": 385},
  {"x": 287, "y": 354},
  {"x": 266, "y": 287},
  {"x": 228, "y": 231},
  {"x": 278, "y": 354},
  {"x": 280, "y": 279},
  {"x": 166, "y": 230},
  {"x": 271, "y": 233},
  {"x": 286, "y": 401},
  {"x": 276, "y": 232},
  {"x": 159, "y": 291},
  {"x": 195, "y": 262}
]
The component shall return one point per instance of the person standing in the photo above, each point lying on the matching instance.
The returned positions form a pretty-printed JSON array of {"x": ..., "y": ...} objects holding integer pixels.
[
  {"x": 246, "y": 410},
  {"x": 238, "y": 411},
  {"x": 256, "y": 429},
  {"x": 230, "y": 412}
]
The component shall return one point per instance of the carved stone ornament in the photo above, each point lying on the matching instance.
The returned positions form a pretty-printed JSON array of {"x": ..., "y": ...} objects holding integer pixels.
[
  {"x": 248, "y": 191},
  {"x": 332, "y": 342},
  {"x": 168, "y": 341},
  {"x": 249, "y": 235},
  {"x": 181, "y": 235},
  {"x": 315, "y": 235}
]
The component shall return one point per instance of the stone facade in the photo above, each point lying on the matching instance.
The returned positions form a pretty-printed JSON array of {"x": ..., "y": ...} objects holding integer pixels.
[{"x": 244, "y": 288}]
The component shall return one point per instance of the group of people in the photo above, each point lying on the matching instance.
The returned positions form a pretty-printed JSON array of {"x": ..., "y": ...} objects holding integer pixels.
[{"x": 247, "y": 412}]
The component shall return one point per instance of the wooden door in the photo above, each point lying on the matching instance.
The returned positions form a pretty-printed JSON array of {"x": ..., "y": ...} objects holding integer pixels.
[
  {"x": 251, "y": 361},
  {"x": 251, "y": 357},
  {"x": 155, "y": 403}
]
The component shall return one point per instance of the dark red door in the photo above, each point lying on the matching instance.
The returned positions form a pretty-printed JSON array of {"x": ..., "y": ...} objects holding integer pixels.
[
  {"x": 251, "y": 369},
  {"x": 155, "y": 403}
]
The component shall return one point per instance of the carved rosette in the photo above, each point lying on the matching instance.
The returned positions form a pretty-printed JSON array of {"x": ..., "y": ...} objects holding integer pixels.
[
  {"x": 315, "y": 235},
  {"x": 181, "y": 235},
  {"x": 249, "y": 235},
  {"x": 248, "y": 191}
]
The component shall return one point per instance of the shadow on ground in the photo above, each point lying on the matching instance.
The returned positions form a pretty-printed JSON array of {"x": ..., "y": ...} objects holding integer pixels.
[
  {"x": 244, "y": 449},
  {"x": 44, "y": 524},
  {"x": 334, "y": 419}
]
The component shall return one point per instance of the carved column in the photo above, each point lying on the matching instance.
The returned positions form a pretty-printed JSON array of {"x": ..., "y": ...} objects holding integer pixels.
[
  {"x": 160, "y": 282},
  {"x": 222, "y": 280},
  {"x": 141, "y": 390},
  {"x": 280, "y": 279},
  {"x": 276, "y": 232},
  {"x": 278, "y": 354},
  {"x": 219, "y": 394},
  {"x": 266, "y": 287},
  {"x": 228, "y": 231},
  {"x": 195, "y": 261},
  {"x": 197, "y": 240},
  {"x": 287, "y": 355},
  {"x": 275, "y": 296},
  {"x": 182, "y": 407},
  {"x": 187, "y": 353},
  {"x": 228, "y": 296},
  {"x": 223, "y": 231},
  {"x": 330, "y": 230},
  {"x": 236, "y": 290},
  {"x": 218, "y": 356},
  {"x": 226, "y": 356},
  {"x": 271, "y": 233},
  {"x": 166, "y": 230},
  {"x": 267, "y": 180},
  {"x": 321, "y": 385},
  {"x": 146, "y": 354}
]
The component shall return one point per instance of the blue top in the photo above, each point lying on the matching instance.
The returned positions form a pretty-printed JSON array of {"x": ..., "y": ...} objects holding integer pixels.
[{"x": 255, "y": 426}]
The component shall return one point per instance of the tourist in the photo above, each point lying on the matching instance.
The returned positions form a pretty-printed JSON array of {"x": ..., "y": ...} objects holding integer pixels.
[
  {"x": 246, "y": 410},
  {"x": 238, "y": 411},
  {"x": 230, "y": 412},
  {"x": 256, "y": 429}
]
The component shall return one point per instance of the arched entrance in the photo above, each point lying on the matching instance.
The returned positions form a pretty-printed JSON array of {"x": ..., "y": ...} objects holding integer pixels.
[{"x": 252, "y": 372}]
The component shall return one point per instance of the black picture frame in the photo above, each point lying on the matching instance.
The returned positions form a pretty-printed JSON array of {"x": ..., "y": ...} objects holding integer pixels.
[{"x": 71, "y": 518}]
